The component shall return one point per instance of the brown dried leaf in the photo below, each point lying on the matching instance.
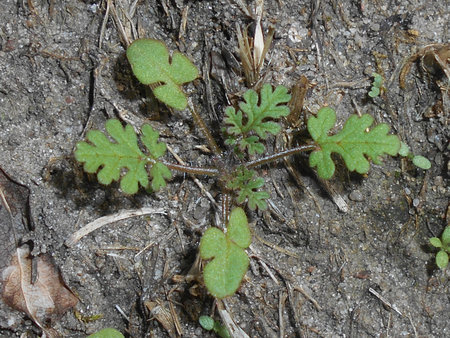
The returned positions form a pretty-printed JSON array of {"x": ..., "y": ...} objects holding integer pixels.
[
  {"x": 14, "y": 216},
  {"x": 45, "y": 299}
]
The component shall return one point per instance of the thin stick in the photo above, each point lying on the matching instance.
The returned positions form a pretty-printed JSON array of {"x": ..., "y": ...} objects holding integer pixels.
[
  {"x": 195, "y": 179},
  {"x": 192, "y": 170},
  {"x": 200, "y": 123},
  {"x": 99, "y": 222},
  {"x": 234, "y": 330},
  {"x": 281, "y": 303},
  {"x": 384, "y": 301},
  {"x": 312, "y": 300}
]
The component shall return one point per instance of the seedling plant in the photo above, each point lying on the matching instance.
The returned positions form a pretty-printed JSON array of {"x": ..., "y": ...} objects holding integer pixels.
[
  {"x": 121, "y": 155},
  {"x": 443, "y": 244}
]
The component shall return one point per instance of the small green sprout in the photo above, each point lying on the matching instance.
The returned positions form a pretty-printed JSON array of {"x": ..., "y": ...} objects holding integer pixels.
[
  {"x": 124, "y": 153},
  {"x": 151, "y": 64},
  {"x": 246, "y": 184},
  {"x": 223, "y": 275},
  {"x": 377, "y": 85},
  {"x": 209, "y": 324},
  {"x": 107, "y": 333},
  {"x": 249, "y": 122},
  {"x": 353, "y": 142},
  {"x": 418, "y": 160},
  {"x": 444, "y": 245}
]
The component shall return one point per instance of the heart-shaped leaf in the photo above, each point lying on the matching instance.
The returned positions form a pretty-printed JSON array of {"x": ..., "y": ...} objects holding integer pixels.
[{"x": 223, "y": 275}]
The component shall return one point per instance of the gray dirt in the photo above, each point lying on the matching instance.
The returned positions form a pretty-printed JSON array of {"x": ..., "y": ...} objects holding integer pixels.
[{"x": 62, "y": 74}]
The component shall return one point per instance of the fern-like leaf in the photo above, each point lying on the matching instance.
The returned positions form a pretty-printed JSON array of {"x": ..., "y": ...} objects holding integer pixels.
[
  {"x": 353, "y": 142},
  {"x": 149, "y": 60},
  {"x": 124, "y": 153},
  {"x": 251, "y": 123},
  {"x": 246, "y": 186}
]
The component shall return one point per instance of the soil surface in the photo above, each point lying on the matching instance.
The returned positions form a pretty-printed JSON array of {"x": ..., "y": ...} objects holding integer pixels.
[{"x": 314, "y": 267}]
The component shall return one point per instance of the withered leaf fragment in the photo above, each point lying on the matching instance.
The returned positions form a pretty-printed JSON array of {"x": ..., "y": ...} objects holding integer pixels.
[
  {"x": 14, "y": 216},
  {"x": 45, "y": 299}
]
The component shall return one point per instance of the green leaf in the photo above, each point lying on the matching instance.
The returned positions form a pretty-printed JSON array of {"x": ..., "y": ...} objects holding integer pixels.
[
  {"x": 251, "y": 122},
  {"x": 206, "y": 322},
  {"x": 376, "y": 85},
  {"x": 446, "y": 236},
  {"x": 353, "y": 142},
  {"x": 421, "y": 162},
  {"x": 151, "y": 64},
  {"x": 404, "y": 149},
  {"x": 436, "y": 242},
  {"x": 442, "y": 259},
  {"x": 124, "y": 153},
  {"x": 224, "y": 273},
  {"x": 246, "y": 187},
  {"x": 107, "y": 333}
]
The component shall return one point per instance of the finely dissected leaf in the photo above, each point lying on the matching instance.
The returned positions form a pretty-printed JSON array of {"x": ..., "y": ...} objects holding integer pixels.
[
  {"x": 124, "y": 153},
  {"x": 250, "y": 121},
  {"x": 353, "y": 142},
  {"x": 224, "y": 273},
  {"x": 246, "y": 187},
  {"x": 376, "y": 85},
  {"x": 151, "y": 64},
  {"x": 46, "y": 298}
]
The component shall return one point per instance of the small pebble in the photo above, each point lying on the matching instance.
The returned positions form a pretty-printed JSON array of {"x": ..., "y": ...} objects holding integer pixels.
[
  {"x": 356, "y": 196},
  {"x": 416, "y": 202}
]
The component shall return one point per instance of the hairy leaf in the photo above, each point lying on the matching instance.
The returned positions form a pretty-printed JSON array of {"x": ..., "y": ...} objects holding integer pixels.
[
  {"x": 442, "y": 259},
  {"x": 353, "y": 142},
  {"x": 446, "y": 237},
  {"x": 124, "y": 153},
  {"x": 224, "y": 273},
  {"x": 151, "y": 64},
  {"x": 251, "y": 122},
  {"x": 246, "y": 187},
  {"x": 421, "y": 162}
]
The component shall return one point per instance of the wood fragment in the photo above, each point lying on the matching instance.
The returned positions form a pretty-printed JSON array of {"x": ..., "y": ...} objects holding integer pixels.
[
  {"x": 307, "y": 296},
  {"x": 99, "y": 222},
  {"x": 282, "y": 295},
  {"x": 384, "y": 301}
]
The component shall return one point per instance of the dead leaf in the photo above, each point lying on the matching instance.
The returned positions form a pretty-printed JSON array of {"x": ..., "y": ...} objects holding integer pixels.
[
  {"x": 14, "y": 216},
  {"x": 45, "y": 299}
]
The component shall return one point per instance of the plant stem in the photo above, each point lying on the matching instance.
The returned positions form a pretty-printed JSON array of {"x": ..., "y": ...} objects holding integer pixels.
[
  {"x": 200, "y": 123},
  {"x": 277, "y": 156},
  {"x": 192, "y": 170}
]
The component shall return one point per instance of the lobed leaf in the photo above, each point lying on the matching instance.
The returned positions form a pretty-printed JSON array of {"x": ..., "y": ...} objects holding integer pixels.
[
  {"x": 151, "y": 64},
  {"x": 252, "y": 117},
  {"x": 223, "y": 275},
  {"x": 353, "y": 142},
  {"x": 246, "y": 187},
  {"x": 124, "y": 153}
]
